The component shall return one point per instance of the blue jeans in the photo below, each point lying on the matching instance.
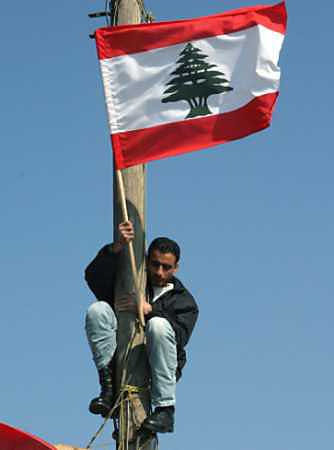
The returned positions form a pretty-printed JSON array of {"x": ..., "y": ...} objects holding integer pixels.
[{"x": 101, "y": 329}]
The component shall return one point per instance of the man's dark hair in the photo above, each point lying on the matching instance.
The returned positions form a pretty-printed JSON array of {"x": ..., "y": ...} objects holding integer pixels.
[{"x": 164, "y": 245}]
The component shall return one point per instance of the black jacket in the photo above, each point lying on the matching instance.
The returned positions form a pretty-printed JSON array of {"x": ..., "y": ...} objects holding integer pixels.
[{"x": 177, "y": 305}]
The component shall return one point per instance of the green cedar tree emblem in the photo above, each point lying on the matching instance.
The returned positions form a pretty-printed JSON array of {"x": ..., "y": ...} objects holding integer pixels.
[{"x": 194, "y": 81}]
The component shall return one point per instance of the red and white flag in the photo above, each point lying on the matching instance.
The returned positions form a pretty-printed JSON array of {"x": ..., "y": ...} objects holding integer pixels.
[{"x": 176, "y": 87}]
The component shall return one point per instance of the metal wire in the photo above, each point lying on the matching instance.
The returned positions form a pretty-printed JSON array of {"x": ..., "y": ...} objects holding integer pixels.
[{"x": 107, "y": 13}]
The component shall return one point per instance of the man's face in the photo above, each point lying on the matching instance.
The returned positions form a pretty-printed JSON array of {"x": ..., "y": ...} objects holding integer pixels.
[{"x": 161, "y": 267}]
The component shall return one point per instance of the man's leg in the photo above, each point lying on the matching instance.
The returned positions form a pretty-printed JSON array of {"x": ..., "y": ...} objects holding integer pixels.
[
  {"x": 101, "y": 328},
  {"x": 162, "y": 355}
]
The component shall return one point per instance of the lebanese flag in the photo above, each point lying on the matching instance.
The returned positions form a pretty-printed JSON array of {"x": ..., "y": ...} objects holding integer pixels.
[
  {"x": 175, "y": 87},
  {"x": 15, "y": 439}
]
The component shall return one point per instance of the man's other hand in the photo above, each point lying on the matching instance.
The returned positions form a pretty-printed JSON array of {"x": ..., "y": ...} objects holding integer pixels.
[{"x": 147, "y": 308}]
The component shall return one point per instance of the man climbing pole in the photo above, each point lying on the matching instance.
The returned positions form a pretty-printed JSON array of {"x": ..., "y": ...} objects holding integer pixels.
[{"x": 170, "y": 313}]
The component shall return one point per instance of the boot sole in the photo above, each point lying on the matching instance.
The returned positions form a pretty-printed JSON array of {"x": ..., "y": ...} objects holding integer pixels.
[{"x": 99, "y": 410}]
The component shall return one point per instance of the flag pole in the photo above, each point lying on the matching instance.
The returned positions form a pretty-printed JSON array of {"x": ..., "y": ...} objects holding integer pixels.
[{"x": 122, "y": 198}]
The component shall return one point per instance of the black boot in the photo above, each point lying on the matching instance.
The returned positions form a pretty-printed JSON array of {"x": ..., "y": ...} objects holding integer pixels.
[
  {"x": 103, "y": 404},
  {"x": 161, "y": 421}
]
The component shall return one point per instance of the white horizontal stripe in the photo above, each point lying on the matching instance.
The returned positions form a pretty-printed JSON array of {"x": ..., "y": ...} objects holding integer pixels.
[{"x": 134, "y": 84}]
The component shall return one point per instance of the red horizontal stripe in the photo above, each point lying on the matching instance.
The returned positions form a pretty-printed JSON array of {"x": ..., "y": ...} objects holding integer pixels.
[
  {"x": 140, "y": 146},
  {"x": 126, "y": 39}
]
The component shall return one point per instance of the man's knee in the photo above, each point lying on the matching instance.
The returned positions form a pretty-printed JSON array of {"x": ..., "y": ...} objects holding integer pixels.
[
  {"x": 159, "y": 328},
  {"x": 100, "y": 311}
]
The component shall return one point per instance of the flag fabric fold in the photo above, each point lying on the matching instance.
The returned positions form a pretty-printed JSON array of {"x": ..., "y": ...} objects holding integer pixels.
[
  {"x": 177, "y": 87},
  {"x": 14, "y": 439}
]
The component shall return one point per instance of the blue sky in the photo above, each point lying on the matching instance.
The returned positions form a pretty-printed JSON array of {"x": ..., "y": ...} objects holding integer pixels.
[{"x": 254, "y": 219}]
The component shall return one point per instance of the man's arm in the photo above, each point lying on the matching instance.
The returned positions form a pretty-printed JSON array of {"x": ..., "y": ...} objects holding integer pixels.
[
  {"x": 100, "y": 273},
  {"x": 186, "y": 316}
]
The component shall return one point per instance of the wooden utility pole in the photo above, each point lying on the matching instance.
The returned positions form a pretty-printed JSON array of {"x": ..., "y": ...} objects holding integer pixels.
[{"x": 136, "y": 371}]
